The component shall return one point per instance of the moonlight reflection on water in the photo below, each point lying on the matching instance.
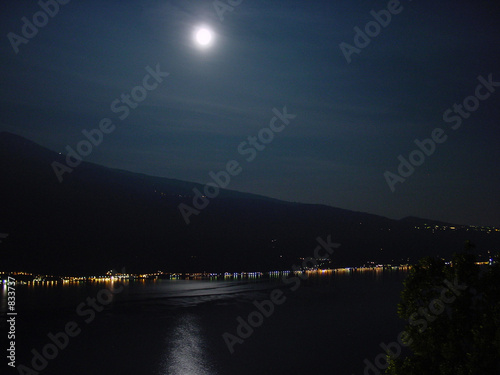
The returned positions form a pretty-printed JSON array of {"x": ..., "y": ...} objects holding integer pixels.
[{"x": 186, "y": 349}]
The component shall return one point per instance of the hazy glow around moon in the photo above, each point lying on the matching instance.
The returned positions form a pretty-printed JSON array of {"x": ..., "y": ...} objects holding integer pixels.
[{"x": 203, "y": 37}]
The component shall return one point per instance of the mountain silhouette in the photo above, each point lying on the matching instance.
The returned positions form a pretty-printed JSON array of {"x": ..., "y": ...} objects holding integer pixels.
[{"x": 100, "y": 218}]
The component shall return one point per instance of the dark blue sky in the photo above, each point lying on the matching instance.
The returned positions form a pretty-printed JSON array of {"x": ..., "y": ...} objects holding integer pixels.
[{"x": 352, "y": 121}]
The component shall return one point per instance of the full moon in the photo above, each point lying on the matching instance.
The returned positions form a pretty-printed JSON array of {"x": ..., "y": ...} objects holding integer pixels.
[{"x": 203, "y": 37}]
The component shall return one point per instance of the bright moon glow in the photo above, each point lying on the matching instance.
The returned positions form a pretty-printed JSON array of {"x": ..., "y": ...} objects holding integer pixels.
[{"x": 203, "y": 37}]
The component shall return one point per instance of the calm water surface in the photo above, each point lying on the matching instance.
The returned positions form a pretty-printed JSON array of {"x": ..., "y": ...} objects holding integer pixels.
[{"x": 329, "y": 325}]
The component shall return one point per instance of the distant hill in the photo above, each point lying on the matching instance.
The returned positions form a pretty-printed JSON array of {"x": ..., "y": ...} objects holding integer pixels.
[
  {"x": 412, "y": 220},
  {"x": 101, "y": 218}
]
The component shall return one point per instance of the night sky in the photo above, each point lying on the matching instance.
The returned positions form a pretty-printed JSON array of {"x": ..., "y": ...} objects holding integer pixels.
[{"x": 353, "y": 119}]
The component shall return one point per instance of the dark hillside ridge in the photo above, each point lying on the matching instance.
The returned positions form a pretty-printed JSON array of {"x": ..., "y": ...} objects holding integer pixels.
[{"x": 100, "y": 218}]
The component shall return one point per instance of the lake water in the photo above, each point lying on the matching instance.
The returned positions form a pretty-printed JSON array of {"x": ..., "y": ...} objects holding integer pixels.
[{"x": 328, "y": 325}]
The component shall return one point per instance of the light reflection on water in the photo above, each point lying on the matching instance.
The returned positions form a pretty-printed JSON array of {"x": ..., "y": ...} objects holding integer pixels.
[
  {"x": 186, "y": 349},
  {"x": 3, "y": 299},
  {"x": 328, "y": 326}
]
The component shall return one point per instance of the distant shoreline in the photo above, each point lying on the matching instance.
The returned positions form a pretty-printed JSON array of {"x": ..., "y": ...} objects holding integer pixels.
[
  {"x": 38, "y": 278},
  {"x": 26, "y": 277}
]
